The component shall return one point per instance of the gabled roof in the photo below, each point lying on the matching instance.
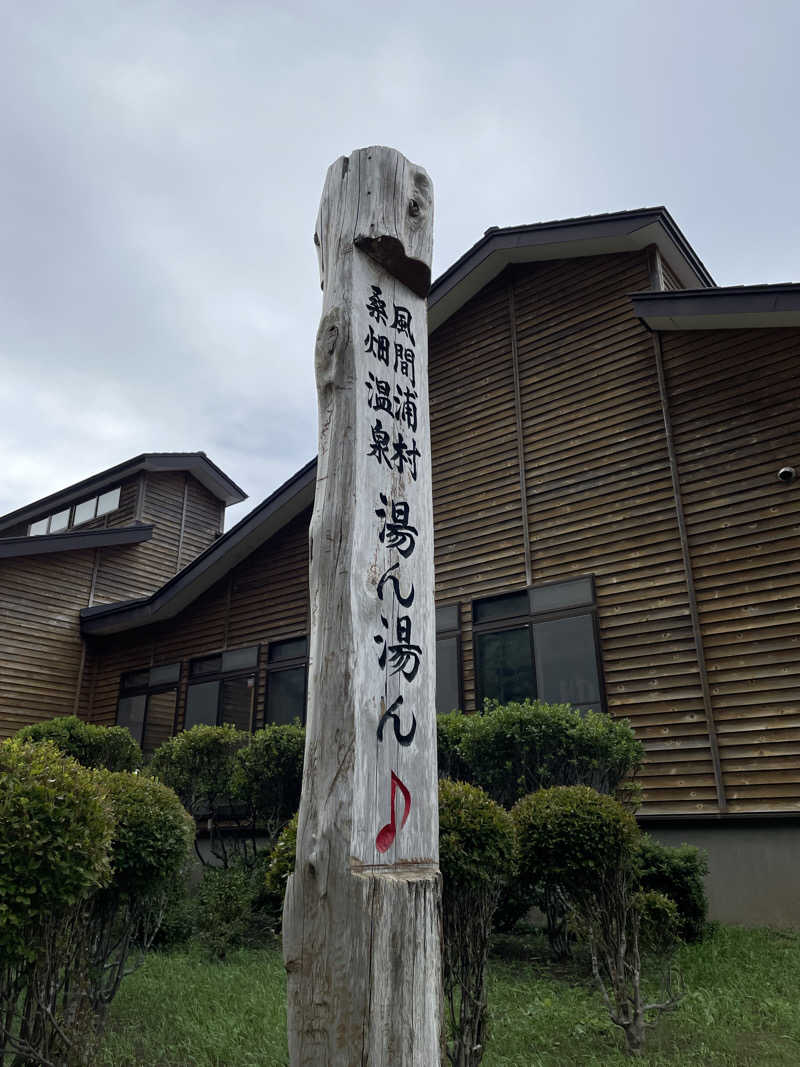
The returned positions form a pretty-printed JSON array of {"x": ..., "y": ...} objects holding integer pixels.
[
  {"x": 294, "y": 496},
  {"x": 623, "y": 231},
  {"x": 589, "y": 235},
  {"x": 196, "y": 463},
  {"x": 71, "y": 541},
  {"x": 735, "y": 307}
]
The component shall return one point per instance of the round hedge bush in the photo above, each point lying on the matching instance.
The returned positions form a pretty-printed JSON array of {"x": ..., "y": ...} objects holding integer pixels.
[
  {"x": 514, "y": 749},
  {"x": 199, "y": 765},
  {"x": 56, "y": 825},
  {"x": 573, "y": 837},
  {"x": 152, "y": 837},
  {"x": 268, "y": 774},
  {"x": 111, "y": 747},
  {"x": 450, "y": 731},
  {"x": 476, "y": 839},
  {"x": 281, "y": 865},
  {"x": 678, "y": 872}
]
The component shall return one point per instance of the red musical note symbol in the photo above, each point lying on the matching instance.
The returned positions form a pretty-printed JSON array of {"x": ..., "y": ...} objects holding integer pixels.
[{"x": 387, "y": 834}]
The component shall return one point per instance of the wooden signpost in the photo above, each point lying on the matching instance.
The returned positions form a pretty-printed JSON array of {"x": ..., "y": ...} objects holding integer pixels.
[{"x": 361, "y": 930}]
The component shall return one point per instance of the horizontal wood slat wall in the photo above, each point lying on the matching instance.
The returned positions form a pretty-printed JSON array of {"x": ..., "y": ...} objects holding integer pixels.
[
  {"x": 41, "y": 670},
  {"x": 600, "y": 501},
  {"x": 263, "y": 599},
  {"x": 734, "y": 398},
  {"x": 40, "y": 645}
]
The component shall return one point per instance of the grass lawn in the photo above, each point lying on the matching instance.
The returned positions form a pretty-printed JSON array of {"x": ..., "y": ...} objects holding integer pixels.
[{"x": 741, "y": 1009}]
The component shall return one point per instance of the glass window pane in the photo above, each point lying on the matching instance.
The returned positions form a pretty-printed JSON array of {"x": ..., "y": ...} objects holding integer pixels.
[
  {"x": 501, "y": 607},
  {"x": 566, "y": 661},
  {"x": 573, "y": 594},
  {"x": 164, "y": 675},
  {"x": 202, "y": 701},
  {"x": 108, "y": 501},
  {"x": 447, "y": 675},
  {"x": 286, "y": 695},
  {"x": 160, "y": 721},
  {"x": 130, "y": 713},
  {"x": 447, "y": 618},
  {"x": 59, "y": 521},
  {"x": 505, "y": 665},
  {"x": 297, "y": 648},
  {"x": 40, "y": 527},
  {"x": 85, "y": 511},
  {"x": 207, "y": 665},
  {"x": 237, "y": 702},
  {"x": 135, "y": 679},
  {"x": 238, "y": 658}
]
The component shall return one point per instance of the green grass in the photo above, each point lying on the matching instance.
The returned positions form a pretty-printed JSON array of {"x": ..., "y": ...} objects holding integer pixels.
[{"x": 741, "y": 1009}]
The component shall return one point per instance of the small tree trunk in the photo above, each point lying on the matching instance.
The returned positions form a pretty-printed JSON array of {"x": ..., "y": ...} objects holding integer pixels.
[{"x": 557, "y": 926}]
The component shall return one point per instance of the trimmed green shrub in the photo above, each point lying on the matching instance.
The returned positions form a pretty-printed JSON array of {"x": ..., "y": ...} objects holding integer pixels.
[
  {"x": 55, "y": 832},
  {"x": 280, "y": 866},
  {"x": 573, "y": 837},
  {"x": 450, "y": 730},
  {"x": 515, "y": 749},
  {"x": 152, "y": 837},
  {"x": 678, "y": 873},
  {"x": 268, "y": 775},
  {"x": 583, "y": 846},
  {"x": 111, "y": 747},
  {"x": 231, "y": 910},
  {"x": 199, "y": 764},
  {"x": 659, "y": 919},
  {"x": 243, "y": 786},
  {"x": 477, "y": 857}
]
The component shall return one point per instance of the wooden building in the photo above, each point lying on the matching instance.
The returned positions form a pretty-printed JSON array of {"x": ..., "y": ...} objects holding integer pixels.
[{"x": 614, "y": 441}]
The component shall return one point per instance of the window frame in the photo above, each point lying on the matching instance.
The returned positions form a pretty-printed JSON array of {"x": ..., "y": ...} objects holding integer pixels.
[
  {"x": 529, "y": 620},
  {"x": 447, "y": 633},
  {"x": 221, "y": 675},
  {"x": 72, "y": 508},
  {"x": 273, "y": 667},
  {"x": 147, "y": 690}
]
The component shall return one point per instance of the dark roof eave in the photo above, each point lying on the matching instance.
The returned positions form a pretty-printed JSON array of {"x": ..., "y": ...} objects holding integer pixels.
[
  {"x": 69, "y": 541},
  {"x": 196, "y": 463},
  {"x": 588, "y": 235},
  {"x": 288, "y": 501},
  {"x": 731, "y": 307}
]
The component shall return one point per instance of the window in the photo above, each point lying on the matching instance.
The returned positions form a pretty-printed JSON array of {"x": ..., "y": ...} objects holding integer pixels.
[
  {"x": 147, "y": 703},
  {"x": 222, "y": 689},
  {"x": 287, "y": 680},
  {"x": 76, "y": 515},
  {"x": 541, "y": 643},
  {"x": 448, "y": 659}
]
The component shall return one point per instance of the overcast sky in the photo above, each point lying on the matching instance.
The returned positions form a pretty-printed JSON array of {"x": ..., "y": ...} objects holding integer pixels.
[{"x": 163, "y": 162}]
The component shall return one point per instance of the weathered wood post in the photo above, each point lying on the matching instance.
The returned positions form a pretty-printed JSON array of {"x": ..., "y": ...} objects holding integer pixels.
[{"x": 361, "y": 926}]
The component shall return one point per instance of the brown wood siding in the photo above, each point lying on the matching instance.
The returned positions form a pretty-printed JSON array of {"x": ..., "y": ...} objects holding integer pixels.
[
  {"x": 137, "y": 570},
  {"x": 476, "y": 489},
  {"x": 263, "y": 599},
  {"x": 600, "y": 501},
  {"x": 599, "y": 491},
  {"x": 40, "y": 647},
  {"x": 202, "y": 522},
  {"x": 734, "y": 398}
]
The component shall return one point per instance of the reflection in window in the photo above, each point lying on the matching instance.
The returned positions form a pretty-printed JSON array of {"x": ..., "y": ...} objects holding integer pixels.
[
  {"x": 147, "y": 704},
  {"x": 287, "y": 679},
  {"x": 541, "y": 644},
  {"x": 83, "y": 511},
  {"x": 222, "y": 689}
]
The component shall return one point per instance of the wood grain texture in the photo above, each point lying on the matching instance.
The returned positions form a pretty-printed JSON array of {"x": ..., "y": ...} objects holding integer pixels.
[{"x": 362, "y": 912}]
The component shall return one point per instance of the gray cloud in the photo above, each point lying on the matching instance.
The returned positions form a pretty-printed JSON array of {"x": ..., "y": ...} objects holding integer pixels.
[{"x": 163, "y": 164}]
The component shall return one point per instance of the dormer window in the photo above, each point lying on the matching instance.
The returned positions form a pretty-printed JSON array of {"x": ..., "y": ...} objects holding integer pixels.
[{"x": 82, "y": 512}]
